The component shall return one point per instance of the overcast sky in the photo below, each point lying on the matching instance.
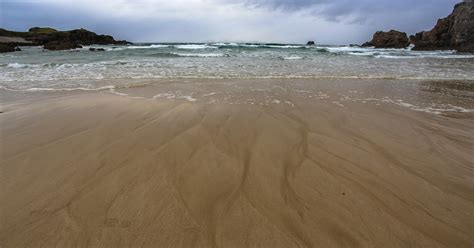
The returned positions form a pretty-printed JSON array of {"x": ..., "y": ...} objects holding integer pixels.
[{"x": 283, "y": 21}]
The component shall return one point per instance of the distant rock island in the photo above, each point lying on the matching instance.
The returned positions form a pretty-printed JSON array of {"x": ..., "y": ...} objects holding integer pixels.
[
  {"x": 455, "y": 32},
  {"x": 390, "y": 39},
  {"x": 53, "y": 39}
]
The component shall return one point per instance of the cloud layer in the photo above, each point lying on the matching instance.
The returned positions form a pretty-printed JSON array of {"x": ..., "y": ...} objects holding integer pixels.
[{"x": 326, "y": 21}]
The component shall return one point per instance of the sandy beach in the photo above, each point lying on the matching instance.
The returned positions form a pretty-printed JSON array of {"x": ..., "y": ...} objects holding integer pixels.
[{"x": 239, "y": 164}]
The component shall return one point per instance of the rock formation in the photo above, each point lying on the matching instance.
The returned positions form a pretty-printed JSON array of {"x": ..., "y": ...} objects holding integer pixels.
[
  {"x": 390, "y": 39},
  {"x": 310, "y": 43},
  {"x": 453, "y": 32},
  {"x": 6, "y": 48},
  {"x": 10, "y": 44},
  {"x": 93, "y": 49},
  {"x": 52, "y": 39},
  {"x": 61, "y": 45}
]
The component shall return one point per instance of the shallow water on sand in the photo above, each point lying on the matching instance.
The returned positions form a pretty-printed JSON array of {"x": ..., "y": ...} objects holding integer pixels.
[{"x": 440, "y": 97}]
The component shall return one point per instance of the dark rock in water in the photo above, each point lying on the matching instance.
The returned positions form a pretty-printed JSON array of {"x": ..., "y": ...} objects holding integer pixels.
[
  {"x": 367, "y": 44},
  {"x": 85, "y": 37},
  {"x": 453, "y": 32},
  {"x": 10, "y": 44},
  {"x": 93, "y": 49},
  {"x": 354, "y": 45},
  {"x": 390, "y": 39},
  {"x": 310, "y": 43},
  {"x": 6, "y": 48},
  {"x": 61, "y": 45},
  {"x": 81, "y": 37}
]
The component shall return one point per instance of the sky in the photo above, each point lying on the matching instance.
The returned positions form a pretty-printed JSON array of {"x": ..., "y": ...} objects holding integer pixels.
[{"x": 332, "y": 22}]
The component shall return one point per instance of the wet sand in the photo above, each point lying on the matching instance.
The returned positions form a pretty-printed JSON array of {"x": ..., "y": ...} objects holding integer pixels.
[{"x": 261, "y": 165}]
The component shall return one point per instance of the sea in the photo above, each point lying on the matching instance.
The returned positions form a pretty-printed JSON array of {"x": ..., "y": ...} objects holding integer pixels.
[{"x": 36, "y": 69}]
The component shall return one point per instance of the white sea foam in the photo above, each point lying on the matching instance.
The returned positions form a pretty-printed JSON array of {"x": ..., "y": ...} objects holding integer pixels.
[
  {"x": 194, "y": 46},
  {"x": 202, "y": 55},
  {"x": 164, "y": 95},
  {"x": 177, "y": 95},
  {"x": 189, "y": 98},
  {"x": 15, "y": 65},
  {"x": 284, "y": 46},
  {"x": 290, "y": 103},
  {"x": 225, "y": 44},
  {"x": 434, "y": 109},
  {"x": 395, "y": 53},
  {"x": 338, "y": 104},
  {"x": 18, "y": 65},
  {"x": 211, "y": 94},
  {"x": 117, "y": 93},
  {"x": 159, "y": 46},
  {"x": 36, "y": 89}
]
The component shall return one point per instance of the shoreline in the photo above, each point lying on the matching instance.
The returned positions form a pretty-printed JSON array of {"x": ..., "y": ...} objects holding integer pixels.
[
  {"x": 440, "y": 96},
  {"x": 104, "y": 169}
]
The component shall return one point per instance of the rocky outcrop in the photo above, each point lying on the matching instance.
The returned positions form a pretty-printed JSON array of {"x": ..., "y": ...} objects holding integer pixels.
[
  {"x": 52, "y": 39},
  {"x": 453, "y": 32},
  {"x": 390, "y": 39},
  {"x": 310, "y": 43},
  {"x": 38, "y": 30},
  {"x": 61, "y": 45},
  {"x": 6, "y": 48},
  {"x": 85, "y": 37}
]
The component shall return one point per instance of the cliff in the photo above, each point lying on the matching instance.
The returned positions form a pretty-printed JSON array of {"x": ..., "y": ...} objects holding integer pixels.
[{"x": 453, "y": 32}]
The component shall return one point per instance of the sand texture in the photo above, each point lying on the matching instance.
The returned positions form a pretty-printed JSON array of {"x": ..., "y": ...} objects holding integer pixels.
[{"x": 103, "y": 170}]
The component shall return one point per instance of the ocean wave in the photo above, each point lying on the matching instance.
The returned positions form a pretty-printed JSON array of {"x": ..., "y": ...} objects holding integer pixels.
[
  {"x": 283, "y": 46},
  {"x": 72, "y": 80},
  {"x": 219, "y": 45},
  {"x": 202, "y": 55},
  {"x": 163, "y": 55},
  {"x": 39, "y": 68},
  {"x": 144, "y": 46},
  {"x": 386, "y": 53},
  {"x": 17, "y": 65},
  {"x": 292, "y": 58},
  {"x": 194, "y": 46},
  {"x": 255, "y": 45},
  {"x": 395, "y": 53}
]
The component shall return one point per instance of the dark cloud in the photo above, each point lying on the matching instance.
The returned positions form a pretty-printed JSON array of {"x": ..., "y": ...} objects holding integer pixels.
[
  {"x": 280, "y": 4},
  {"x": 328, "y": 21},
  {"x": 337, "y": 10},
  {"x": 408, "y": 15}
]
